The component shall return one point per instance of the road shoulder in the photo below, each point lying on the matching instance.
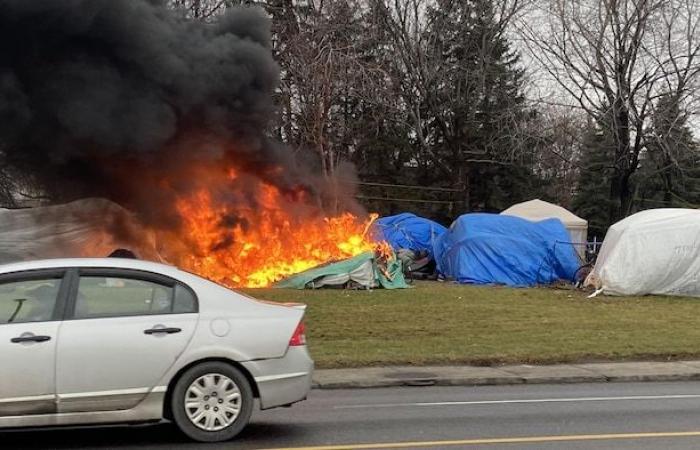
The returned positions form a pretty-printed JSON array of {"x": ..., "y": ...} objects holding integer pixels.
[{"x": 507, "y": 374}]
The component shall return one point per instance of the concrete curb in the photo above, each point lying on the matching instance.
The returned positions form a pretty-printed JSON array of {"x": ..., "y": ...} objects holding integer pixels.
[{"x": 375, "y": 377}]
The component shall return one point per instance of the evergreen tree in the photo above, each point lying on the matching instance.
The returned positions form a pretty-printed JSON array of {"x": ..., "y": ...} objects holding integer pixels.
[
  {"x": 476, "y": 103},
  {"x": 670, "y": 173},
  {"x": 592, "y": 199}
]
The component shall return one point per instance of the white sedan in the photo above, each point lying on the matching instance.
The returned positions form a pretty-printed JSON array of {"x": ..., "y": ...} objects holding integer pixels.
[{"x": 115, "y": 340}]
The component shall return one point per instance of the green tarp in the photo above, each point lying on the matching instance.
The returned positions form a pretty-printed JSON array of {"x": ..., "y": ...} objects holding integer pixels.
[{"x": 362, "y": 269}]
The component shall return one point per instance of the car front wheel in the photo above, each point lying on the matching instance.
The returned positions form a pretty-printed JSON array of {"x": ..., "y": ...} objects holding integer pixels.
[{"x": 212, "y": 402}]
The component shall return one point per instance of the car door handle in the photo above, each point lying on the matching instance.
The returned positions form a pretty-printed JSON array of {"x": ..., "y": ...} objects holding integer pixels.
[
  {"x": 162, "y": 330},
  {"x": 29, "y": 338}
]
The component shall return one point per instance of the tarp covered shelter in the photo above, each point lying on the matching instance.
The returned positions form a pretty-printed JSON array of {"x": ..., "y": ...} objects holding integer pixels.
[
  {"x": 408, "y": 231},
  {"x": 656, "y": 251},
  {"x": 500, "y": 249},
  {"x": 83, "y": 228},
  {"x": 537, "y": 210},
  {"x": 360, "y": 270}
]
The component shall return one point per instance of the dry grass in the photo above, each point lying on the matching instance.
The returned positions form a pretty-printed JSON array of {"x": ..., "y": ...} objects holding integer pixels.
[{"x": 442, "y": 323}]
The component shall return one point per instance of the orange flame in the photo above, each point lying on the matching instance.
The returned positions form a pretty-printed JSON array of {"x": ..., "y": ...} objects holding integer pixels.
[
  {"x": 384, "y": 251},
  {"x": 266, "y": 243}
]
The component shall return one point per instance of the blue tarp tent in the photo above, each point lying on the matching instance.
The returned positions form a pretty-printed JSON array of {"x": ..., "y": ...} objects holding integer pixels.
[
  {"x": 409, "y": 231},
  {"x": 496, "y": 249}
]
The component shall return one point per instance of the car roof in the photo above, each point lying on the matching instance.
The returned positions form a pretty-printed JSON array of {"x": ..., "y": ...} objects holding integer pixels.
[{"x": 116, "y": 263}]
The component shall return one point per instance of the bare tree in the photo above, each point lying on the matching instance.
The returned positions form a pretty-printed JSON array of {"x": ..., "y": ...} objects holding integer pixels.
[
  {"x": 447, "y": 59},
  {"x": 615, "y": 58},
  {"x": 325, "y": 78},
  {"x": 203, "y": 9},
  {"x": 555, "y": 136}
]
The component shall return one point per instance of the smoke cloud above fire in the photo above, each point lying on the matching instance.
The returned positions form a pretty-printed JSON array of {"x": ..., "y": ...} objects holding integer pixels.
[{"x": 128, "y": 100}]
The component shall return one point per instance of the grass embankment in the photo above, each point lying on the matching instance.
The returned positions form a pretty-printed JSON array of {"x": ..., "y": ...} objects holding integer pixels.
[{"x": 443, "y": 323}]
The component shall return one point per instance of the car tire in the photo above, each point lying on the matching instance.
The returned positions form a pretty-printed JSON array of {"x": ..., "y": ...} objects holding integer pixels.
[{"x": 205, "y": 388}]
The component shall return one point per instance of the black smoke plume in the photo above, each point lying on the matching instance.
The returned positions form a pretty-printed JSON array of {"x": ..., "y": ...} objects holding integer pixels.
[{"x": 110, "y": 98}]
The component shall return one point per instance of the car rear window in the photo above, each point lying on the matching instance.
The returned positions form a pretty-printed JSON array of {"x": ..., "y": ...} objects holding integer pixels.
[{"x": 112, "y": 296}]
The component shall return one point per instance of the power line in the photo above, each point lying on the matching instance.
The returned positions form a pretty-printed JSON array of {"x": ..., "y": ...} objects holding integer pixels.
[
  {"x": 407, "y": 200},
  {"x": 401, "y": 186}
]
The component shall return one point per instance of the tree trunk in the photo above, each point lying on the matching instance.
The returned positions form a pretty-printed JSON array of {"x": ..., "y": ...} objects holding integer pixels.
[
  {"x": 614, "y": 198},
  {"x": 622, "y": 195},
  {"x": 466, "y": 187},
  {"x": 626, "y": 197}
]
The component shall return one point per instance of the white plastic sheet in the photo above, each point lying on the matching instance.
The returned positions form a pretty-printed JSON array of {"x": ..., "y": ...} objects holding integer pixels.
[
  {"x": 652, "y": 252},
  {"x": 83, "y": 228}
]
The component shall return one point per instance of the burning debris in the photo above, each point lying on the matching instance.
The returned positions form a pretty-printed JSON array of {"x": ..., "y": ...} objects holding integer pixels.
[
  {"x": 367, "y": 270},
  {"x": 124, "y": 99},
  {"x": 265, "y": 244}
]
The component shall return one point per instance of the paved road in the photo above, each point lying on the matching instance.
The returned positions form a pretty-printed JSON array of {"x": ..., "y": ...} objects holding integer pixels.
[{"x": 586, "y": 416}]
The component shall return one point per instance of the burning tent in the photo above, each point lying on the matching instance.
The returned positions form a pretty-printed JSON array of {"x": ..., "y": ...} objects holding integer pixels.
[
  {"x": 98, "y": 227},
  {"x": 412, "y": 238},
  {"x": 408, "y": 231},
  {"x": 365, "y": 271}
]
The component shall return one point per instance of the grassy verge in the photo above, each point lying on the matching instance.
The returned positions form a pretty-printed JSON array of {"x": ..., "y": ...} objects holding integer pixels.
[{"x": 441, "y": 323}]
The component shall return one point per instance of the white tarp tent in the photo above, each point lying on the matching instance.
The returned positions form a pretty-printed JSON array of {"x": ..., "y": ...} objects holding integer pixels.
[
  {"x": 656, "y": 251},
  {"x": 537, "y": 209},
  {"x": 83, "y": 228}
]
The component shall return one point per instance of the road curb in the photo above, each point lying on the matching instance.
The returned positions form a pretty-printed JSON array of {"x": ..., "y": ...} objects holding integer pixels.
[{"x": 379, "y": 377}]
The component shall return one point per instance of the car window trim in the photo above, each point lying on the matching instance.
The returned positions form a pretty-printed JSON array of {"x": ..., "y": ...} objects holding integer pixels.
[
  {"x": 59, "y": 307},
  {"x": 133, "y": 274},
  {"x": 116, "y": 272}
]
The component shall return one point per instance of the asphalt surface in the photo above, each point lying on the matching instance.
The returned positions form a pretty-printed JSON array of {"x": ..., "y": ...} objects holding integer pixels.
[{"x": 574, "y": 416}]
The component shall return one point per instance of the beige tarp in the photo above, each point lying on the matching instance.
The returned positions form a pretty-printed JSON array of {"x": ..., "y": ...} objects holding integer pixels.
[{"x": 539, "y": 210}]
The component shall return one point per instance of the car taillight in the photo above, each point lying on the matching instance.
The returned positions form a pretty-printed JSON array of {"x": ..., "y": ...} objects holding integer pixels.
[{"x": 299, "y": 336}]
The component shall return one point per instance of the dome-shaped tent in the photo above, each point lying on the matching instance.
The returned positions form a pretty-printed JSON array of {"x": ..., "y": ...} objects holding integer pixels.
[
  {"x": 656, "y": 251},
  {"x": 537, "y": 210}
]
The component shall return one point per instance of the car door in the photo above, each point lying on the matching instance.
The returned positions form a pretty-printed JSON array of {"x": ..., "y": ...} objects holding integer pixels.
[
  {"x": 124, "y": 330},
  {"x": 31, "y": 305}
]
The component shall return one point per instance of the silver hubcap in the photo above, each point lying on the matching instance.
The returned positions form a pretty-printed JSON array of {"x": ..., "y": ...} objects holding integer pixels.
[{"x": 213, "y": 402}]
